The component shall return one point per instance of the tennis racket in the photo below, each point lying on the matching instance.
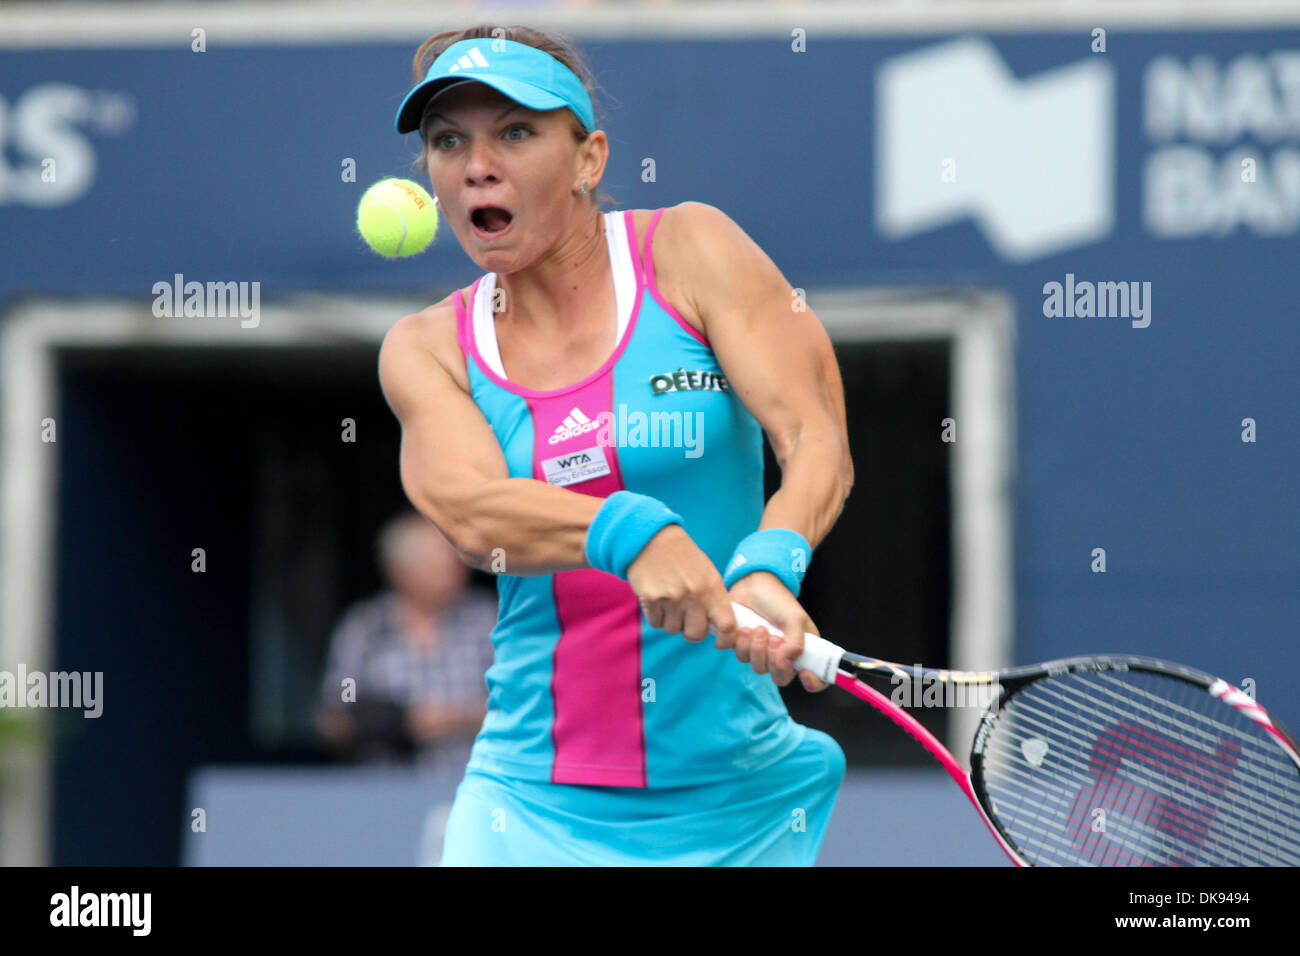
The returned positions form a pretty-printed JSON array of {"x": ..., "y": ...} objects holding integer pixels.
[{"x": 1103, "y": 761}]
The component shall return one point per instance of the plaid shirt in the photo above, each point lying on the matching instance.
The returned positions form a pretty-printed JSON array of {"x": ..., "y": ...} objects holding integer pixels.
[{"x": 368, "y": 647}]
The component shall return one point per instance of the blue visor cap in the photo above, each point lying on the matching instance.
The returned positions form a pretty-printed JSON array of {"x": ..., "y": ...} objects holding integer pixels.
[{"x": 524, "y": 73}]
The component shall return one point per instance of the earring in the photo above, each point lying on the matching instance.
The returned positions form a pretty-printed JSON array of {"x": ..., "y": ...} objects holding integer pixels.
[{"x": 584, "y": 187}]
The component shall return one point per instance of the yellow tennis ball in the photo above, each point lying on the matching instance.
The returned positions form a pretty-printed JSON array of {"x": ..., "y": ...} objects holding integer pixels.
[{"x": 397, "y": 218}]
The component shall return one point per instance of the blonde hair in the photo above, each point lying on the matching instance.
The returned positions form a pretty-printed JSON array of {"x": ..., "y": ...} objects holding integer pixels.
[
  {"x": 560, "y": 48},
  {"x": 398, "y": 541}
]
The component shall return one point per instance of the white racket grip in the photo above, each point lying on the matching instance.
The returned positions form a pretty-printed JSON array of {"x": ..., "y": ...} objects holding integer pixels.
[{"x": 819, "y": 655}]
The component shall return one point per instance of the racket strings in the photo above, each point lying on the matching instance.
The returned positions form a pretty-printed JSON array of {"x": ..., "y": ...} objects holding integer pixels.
[
  {"x": 1271, "y": 771},
  {"x": 1156, "y": 710},
  {"x": 1104, "y": 795},
  {"x": 1276, "y": 766},
  {"x": 1179, "y": 776},
  {"x": 1124, "y": 848},
  {"x": 1271, "y": 768},
  {"x": 1058, "y": 830},
  {"x": 1190, "y": 795},
  {"x": 1158, "y": 707},
  {"x": 1268, "y": 771},
  {"x": 1061, "y": 819},
  {"x": 1213, "y": 843}
]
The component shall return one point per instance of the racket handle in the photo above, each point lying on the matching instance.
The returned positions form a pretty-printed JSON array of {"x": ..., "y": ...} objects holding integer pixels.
[{"x": 819, "y": 655}]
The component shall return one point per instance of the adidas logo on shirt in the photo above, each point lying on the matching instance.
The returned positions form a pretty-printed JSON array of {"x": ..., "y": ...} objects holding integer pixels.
[
  {"x": 575, "y": 423},
  {"x": 470, "y": 60}
]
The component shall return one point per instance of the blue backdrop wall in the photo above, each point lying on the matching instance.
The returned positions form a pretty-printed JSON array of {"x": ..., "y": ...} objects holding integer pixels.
[{"x": 1127, "y": 165}]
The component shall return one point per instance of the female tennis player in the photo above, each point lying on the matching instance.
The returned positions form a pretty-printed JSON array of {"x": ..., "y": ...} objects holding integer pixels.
[{"x": 584, "y": 421}]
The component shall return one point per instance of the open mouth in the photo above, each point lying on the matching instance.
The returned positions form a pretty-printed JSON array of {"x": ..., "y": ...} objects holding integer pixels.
[{"x": 491, "y": 219}]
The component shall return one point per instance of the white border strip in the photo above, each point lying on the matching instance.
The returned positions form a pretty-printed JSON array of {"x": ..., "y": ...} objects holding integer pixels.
[
  {"x": 27, "y": 497},
  {"x": 980, "y": 328},
  {"x": 42, "y": 25}
]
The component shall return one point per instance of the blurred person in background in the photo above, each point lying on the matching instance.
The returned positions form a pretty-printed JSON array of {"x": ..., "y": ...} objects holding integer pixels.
[{"x": 416, "y": 653}]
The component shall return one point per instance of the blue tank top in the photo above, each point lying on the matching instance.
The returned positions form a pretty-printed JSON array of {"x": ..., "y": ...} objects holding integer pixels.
[{"x": 582, "y": 690}]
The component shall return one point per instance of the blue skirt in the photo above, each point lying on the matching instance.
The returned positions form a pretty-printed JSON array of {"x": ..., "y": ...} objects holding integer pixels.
[{"x": 776, "y": 816}]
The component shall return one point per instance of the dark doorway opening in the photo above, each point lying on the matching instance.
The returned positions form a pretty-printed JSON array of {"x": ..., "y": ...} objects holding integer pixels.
[
  {"x": 881, "y": 582},
  {"x": 240, "y": 453}
]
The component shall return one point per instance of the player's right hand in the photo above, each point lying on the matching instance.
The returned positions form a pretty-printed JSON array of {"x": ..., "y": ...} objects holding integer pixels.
[{"x": 679, "y": 588}]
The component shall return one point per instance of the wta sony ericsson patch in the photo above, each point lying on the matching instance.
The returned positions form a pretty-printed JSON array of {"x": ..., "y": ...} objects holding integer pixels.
[
  {"x": 576, "y": 466},
  {"x": 684, "y": 381}
]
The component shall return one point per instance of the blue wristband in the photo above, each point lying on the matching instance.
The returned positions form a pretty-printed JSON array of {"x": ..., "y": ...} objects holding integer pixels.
[
  {"x": 777, "y": 550},
  {"x": 622, "y": 528}
]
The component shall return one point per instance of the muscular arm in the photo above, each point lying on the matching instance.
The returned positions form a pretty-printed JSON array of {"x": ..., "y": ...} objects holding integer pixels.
[
  {"x": 455, "y": 474},
  {"x": 778, "y": 360}
]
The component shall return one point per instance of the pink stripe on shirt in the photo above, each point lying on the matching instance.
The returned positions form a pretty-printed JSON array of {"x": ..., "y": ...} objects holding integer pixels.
[{"x": 598, "y": 731}]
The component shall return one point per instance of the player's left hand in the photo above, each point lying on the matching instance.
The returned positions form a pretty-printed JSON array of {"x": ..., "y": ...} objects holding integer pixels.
[{"x": 757, "y": 646}]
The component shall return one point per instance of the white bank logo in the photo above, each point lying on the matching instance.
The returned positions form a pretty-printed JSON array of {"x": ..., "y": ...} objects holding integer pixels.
[
  {"x": 47, "y": 154},
  {"x": 1032, "y": 160}
]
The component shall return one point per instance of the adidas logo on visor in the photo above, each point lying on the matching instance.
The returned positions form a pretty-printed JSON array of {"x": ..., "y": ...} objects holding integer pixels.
[
  {"x": 471, "y": 59},
  {"x": 575, "y": 423}
]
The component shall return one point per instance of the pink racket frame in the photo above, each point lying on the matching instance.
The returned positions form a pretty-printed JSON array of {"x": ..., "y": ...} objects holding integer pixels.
[{"x": 927, "y": 740}]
